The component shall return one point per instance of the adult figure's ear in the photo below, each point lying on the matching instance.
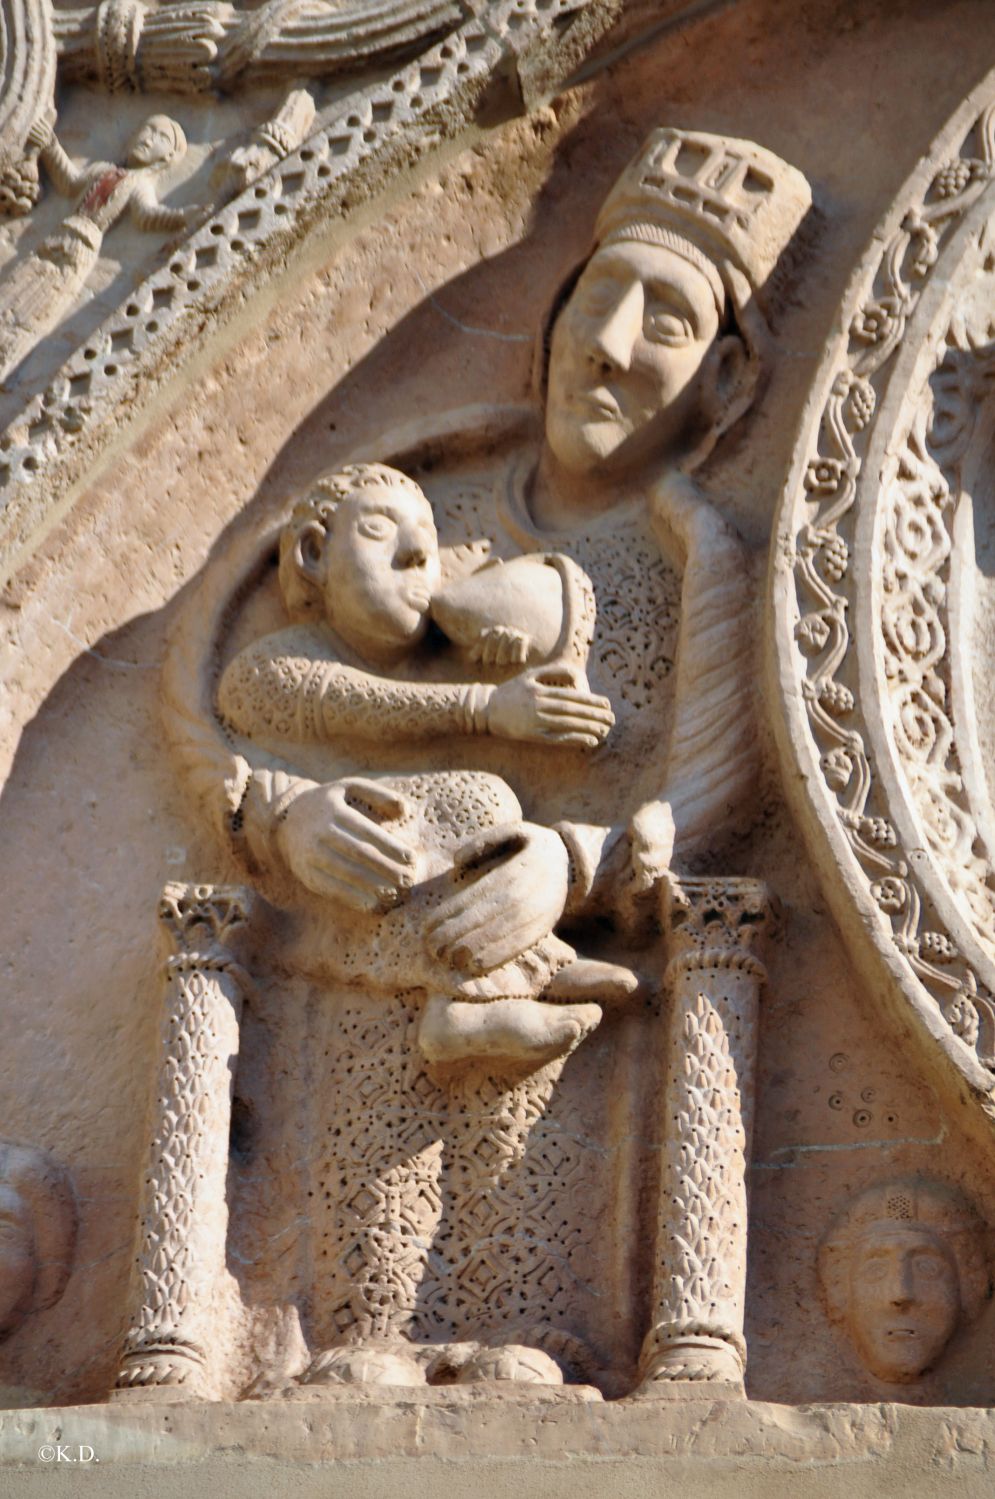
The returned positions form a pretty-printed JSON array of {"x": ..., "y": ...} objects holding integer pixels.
[{"x": 731, "y": 380}]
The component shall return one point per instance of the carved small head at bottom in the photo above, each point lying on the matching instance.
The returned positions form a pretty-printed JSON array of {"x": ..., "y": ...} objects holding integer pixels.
[
  {"x": 37, "y": 1233},
  {"x": 902, "y": 1268}
]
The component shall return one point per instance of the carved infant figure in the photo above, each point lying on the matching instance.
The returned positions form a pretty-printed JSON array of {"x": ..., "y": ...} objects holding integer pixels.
[
  {"x": 37, "y": 1233},
  {"x": 901, "y": 1268},
  {"x": 363, "y": 549}
]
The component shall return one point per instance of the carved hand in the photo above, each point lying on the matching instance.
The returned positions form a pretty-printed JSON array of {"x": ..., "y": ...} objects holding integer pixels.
[
  {"x": 42, "y": 131},
  {"x": 652, "y": 837},
  {"x": 333, "y": 841},
  {"x": 514, "y": 893},
  {"x": 501, "y": 645},
  {"x": 538, "y": 706}
]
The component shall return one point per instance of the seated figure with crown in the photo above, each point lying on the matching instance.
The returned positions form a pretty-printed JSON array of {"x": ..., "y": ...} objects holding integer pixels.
[{"x": 655, "y": 345}]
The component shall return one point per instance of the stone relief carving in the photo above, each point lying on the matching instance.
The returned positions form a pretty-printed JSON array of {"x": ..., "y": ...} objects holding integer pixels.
[
  {"x": 181, "y": 1247},
  {"x": 714, "y": 977},
  {"x": 364, "y": 550},
  {"x": 902, "y": 1267},
  {"x": 43, "y": 287},
  {"x": 123, "y": 45},
  {"x": 271, "y": 142},
  {"x": 423, "y": 810},
  {"x": 878, "y": 659},
  {"x": 37, "y": 1233},
  {"x": 362, "y": 138},
  {"x": 27, "y": 84}
]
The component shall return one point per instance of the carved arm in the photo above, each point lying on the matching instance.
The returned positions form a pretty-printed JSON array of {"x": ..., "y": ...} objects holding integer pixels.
[
  {"x": 148, "y": 213},
  {"x": 307, "y": 698},
  {"x": 67, "y": 179}
]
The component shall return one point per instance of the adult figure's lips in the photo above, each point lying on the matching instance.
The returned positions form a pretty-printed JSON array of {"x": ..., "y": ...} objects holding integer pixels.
[
  {"x": 419, "y": 599},
  {"x": 599, "y": 401}
]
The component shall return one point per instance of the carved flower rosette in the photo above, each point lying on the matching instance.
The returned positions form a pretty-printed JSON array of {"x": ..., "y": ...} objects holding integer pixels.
[{"x": 882, "y": 635}]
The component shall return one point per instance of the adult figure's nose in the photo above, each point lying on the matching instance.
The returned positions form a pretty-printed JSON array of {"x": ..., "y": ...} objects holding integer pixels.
[
  {"x": 413, "y": 556},
  {"x": 902, "y": 1288},
  {"x": 614, "y": 334}
]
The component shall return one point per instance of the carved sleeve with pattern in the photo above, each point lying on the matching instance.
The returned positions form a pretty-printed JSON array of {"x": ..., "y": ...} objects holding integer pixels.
[
  {"x": 67, "y": 178},
  {"x": 148, "y": 213},
  {"x": 295, "y": 693}
]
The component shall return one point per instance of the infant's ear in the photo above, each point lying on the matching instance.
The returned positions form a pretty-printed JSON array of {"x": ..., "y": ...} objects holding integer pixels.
[{"x": 309, "y": 552}]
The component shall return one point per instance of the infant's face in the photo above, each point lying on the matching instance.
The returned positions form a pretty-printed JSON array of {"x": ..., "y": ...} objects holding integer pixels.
[{"x": 382, "y": 568}]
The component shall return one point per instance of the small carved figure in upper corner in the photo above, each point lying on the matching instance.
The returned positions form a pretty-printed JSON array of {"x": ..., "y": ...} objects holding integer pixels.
[
  {"x": 37, "y": 1233},
  {"x": 902, "y": 1268},
  {"x": 43, "y": 287}
]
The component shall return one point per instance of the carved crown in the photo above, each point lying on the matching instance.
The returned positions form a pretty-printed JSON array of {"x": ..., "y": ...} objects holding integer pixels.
[{"x": 729, "y": 202}]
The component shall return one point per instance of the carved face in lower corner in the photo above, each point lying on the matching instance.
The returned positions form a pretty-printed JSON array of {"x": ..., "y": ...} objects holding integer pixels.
[
  {"x": 628, "y": 358},
  {"x": 904, "y": 1300},
  {"x": 17, "y": 1258}
]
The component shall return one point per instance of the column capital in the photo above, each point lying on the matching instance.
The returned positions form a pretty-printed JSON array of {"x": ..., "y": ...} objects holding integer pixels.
[{"x": 716, "y": 922}]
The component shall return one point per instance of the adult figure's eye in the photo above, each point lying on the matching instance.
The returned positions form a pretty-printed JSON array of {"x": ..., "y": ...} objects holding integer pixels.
[
  {"x": 599, "y": 299},
  {"x": 663, "y": 325},
  {"x": 376, "y": 527},
  {"x": 928, "y": 1266}
]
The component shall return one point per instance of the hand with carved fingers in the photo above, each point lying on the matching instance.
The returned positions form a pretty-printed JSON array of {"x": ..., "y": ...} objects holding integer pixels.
[
  {"x": 42, "y": 131},
  {"x": 550, "y": 705},
  {"x": 513, "y": 892},
  {"x": 501, "y": 645},
  {"x": 334, "y": 840}
]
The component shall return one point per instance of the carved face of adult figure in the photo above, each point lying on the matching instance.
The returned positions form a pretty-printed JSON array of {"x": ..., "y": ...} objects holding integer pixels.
[
  {"x": 635, "y": 360},
  {"x": 904, "y": 1300},
  {"x": 902, "y": 1267},
  {"x": 156, "y": 143},
  {"x": 381, "y": 568},
  {"x": 17, "y": 1256}
]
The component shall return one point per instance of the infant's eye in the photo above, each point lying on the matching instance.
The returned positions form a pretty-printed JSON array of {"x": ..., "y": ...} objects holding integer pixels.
[
  {"x": 376, "y": 527},
  {"x": 664, "y": 326}
]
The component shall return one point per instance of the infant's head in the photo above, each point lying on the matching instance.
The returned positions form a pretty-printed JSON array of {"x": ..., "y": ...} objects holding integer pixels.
[{"x": 361, "y": 550}]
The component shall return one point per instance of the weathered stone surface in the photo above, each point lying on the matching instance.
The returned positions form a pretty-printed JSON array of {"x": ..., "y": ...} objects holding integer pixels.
[{"x": 510, "y": 587}]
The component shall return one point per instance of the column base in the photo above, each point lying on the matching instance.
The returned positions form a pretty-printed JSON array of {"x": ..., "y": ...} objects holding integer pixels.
[{"x": 693, "y": 1360}]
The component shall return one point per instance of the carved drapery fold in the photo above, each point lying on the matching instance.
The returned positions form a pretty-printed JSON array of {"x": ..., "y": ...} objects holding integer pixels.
[{"x": 184, "y": 1220}]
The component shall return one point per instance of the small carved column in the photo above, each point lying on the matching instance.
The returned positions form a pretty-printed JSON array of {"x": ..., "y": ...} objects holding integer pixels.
[
  {"x": 715, "y": 928},
  {"x": 181, "y": 1245}
]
